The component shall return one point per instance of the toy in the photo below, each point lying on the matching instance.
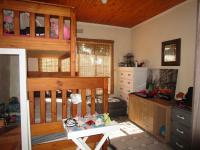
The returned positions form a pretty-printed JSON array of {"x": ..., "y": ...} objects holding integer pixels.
[{"x": 106, "y": 119}]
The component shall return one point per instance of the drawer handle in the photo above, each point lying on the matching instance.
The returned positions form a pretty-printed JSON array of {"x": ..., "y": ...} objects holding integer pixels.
[
  {"x": 128, "y": 82},
  {"x": 121, "y": 73},
  {"x": 181, "y": 117},
  {"x": 129, "y": 74},
  {"x": 179, "y": 131},
  {"x": 179, "y": 145}
]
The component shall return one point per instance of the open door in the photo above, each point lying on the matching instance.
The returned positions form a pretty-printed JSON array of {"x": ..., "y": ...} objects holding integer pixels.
[{"x": 14, "y": 125}]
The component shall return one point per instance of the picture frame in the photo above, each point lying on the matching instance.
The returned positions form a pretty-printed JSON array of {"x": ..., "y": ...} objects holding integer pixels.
[{"x": 171, "y": 51}]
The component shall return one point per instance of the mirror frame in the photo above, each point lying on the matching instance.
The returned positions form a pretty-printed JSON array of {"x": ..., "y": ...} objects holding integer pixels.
[
  {"x": 177, "y": 43},
  {"x": 24, "y": 104}
]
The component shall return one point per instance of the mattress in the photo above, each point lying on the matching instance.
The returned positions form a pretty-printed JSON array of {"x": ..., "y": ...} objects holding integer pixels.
[{"x": 59, "y": 109}]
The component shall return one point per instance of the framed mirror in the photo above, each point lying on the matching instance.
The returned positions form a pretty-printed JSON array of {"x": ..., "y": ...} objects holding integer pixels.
[{"x": 171, "y": 53}]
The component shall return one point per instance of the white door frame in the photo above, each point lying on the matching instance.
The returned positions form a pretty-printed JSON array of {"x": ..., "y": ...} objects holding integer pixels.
[{"x": 25, "y": 125}]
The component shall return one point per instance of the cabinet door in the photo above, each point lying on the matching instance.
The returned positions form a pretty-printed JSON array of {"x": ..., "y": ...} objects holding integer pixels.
[
  {"x": 147, "y": 116},
  {"x": 135, "y": 107}
]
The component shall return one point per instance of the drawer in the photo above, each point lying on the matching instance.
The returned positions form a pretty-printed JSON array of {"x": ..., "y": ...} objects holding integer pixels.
[
  {"x": 178, "y": 144},
  {"x": 122, "y": 75},
  {"x": 123, "y": 95},
  {"x": 126, "y": 90},
  {"x": 126, "y": 75},
  {"x": 124, "y": 82},
  {"x": 129, "y": 75},
  {"x": 181, "y": 131},
  {"x": 181, "y": 116}
]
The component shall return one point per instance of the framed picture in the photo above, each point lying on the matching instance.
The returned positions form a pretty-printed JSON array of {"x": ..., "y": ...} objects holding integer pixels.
[{"x": 171, "y": 51}]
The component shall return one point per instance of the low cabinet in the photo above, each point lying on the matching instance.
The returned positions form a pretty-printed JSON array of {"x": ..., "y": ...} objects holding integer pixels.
[{"x": 153, "y": 115}]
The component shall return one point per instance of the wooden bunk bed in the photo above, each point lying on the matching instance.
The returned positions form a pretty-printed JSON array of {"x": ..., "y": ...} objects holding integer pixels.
[{"x": 53, "y": 83}]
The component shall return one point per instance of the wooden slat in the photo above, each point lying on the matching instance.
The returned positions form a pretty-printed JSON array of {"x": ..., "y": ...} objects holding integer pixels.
[
  {"x": 92, "y": 101},
  {"x": 64, "y": 104},
  {"x": 74, "y": 106},
  {"x": 83, "y": 104},
  {"x": 42, "y": 107},
  {"x": 73, "y": 44},
  {"x": 46, "y": 128},
  {"x": 59, "y": 65},
  {"x": 105, "y": 96},
  {"x": 53, "y": 106},
  {"x": 36, "y": 7},
  {"x": 34, "y": 84},
  {"x": 48, "y": 74},
  {"x": 16, "y": 23},
  {"x": 47, "y": 26},
  {"x": 61, "y": 27},
  {"x": 34, "y": 43},
  {"x": 32, "y": 106},
  {"x": 32, "y": 24},
  {"x": 74, "y": 110},
  {"x": 1, "y": 22}
]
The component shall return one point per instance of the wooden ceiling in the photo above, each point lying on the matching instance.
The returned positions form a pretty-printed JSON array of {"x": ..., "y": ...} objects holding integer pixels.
[{"x": 124, "y": 13}]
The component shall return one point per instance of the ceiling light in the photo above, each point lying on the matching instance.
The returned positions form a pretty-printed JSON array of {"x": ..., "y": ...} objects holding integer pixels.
[{"x": 104, "y": 1}]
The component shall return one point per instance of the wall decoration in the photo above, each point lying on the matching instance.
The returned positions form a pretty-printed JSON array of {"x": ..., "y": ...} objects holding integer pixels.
[
  {"x": 8, "y": 22},
  {"x": 66, "y": 33},
  {"x": 171, "y": 53},
  {"x": 162, "y": 82},
  {"x": 54, "y": 27}
]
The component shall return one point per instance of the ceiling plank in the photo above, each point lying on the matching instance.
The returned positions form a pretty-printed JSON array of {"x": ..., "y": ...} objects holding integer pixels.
[{"x": 124, "y": 13}]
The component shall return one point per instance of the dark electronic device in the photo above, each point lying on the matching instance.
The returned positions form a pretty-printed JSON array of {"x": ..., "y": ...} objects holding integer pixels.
[{"x": 188, "y": 97}]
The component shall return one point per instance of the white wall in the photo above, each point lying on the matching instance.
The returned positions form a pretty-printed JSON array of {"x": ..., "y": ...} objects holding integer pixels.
[
  {"x": 121, "y": 37},
  {"x": 178, "y": 22}
]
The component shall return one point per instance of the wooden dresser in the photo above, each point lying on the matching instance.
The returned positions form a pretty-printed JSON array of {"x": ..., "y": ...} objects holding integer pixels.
[
  {"x": 132, "y": 79},
  {"x": 153, "y": 115}
]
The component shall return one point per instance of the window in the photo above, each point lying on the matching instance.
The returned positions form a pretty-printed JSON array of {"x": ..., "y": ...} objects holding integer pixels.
[
  {"x": 96, "y": 59},
  {"x": 48, "y": 64}
]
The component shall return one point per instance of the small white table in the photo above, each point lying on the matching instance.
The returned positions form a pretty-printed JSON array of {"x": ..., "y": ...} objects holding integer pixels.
[{"x": 80, "y": 137}]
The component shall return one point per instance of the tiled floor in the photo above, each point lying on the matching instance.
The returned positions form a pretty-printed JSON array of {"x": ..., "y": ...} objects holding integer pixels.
[{"x": 131, "y": 137}]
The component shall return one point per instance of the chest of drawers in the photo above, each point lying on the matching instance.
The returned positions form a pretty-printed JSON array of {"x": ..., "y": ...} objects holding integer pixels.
[
  {"x": 131, "y": 79},
  {"x": 181, "y": 129}
]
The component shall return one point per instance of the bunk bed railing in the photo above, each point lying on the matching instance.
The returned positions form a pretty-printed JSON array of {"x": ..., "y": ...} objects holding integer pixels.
[
  {"x": 31, "y": 41},
  {"x": 76, "y": 84}
]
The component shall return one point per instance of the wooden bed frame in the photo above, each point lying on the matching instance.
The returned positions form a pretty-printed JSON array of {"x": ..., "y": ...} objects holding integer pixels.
[
  {"x": 57, "y": 81},
  {"x": 63, "y": 84}
]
